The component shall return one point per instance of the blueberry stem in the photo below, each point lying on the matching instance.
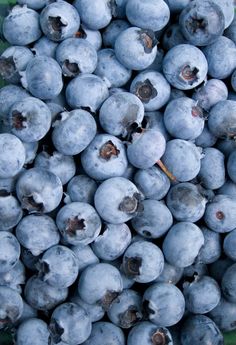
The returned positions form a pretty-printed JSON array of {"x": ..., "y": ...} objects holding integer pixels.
[{"x": 166, "y": 171}]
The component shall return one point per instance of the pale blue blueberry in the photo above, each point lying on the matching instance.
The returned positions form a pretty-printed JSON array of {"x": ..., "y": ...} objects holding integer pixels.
[
  {"x": 105, "y": 333},
  {"x": 11, "y": 306},
  {"x": 81, "y": 188},
  {"x": 10, "y": 211},
  {"x": 32, "y": 331},
  {"x": 85, "y": 256},
  {"x": 44, "y": 46}
]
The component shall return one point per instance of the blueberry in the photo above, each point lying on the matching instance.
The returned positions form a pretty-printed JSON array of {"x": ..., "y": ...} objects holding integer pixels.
[
  {"x": 206, "y": 138},
  {"x": 229, "y": 245},
  {"x": 112, "y": 31},
  {"x": 182, "y": 244},
  {"x": 13, "y": 61},
  {"x": 222, "y": 48},
  {"x": 120, "y": 112},
  {"x": 117, "y": 200},
  {"x": 34, "y": 4},
  {"x": 227, "y": 7},
  {"x": 82, "y": 128},
  {"x": 135, "y": 48},
  {"x": 112, "y": 242},
  {"x": 43, "y": 77},
  {"x": 164, "y": 304},
  {"x": 228, "y": 188},
  {"x": 126, "y": 309},
  {"x": 81, "y": 188},
  {"x": 231, "y": 166},
  {"x": 30, "y": 151},
  {"x": 94, "y": 37},
  {"x": 173, "y": 36},
  {"x": 85, "y": 255},
  {"x": 154, "y": 120},
  {"x": 170, "y": 274},
  {"x": 199, "y": 330},
  {"x": 228, "y": 284},
  {"x": 177, "y": 6},
  {"x": 43, "y": 296},
  {"x": 59, "y": 20},
  {"x": 218, "y": 268},
  {"x": 154, "y": 221},
  {"x": 230, "y": 31},
  {"x": 202, "y": 23},
  {"x": 30, "y": 119},
  {"x": 9, "y": 251},
  {"x": 94, "y": 311},
  {"x": 147, "y": 333},
  {"x": 211, "y": 250},
  {"x": 183, "y": 159},
  {"x": 61, "y": 165},
  {"x": 14, "y": 278},
  {"x": 233, "y": 80},
  {"x": 21, "y": 26},
  {"x": 224, "y": 315},
  {"x": 151, "y": 14},
  {"x": 152, "y": 89},
  {"x": 37, "y": 233},
  {"x": 94, "y": 92},
  {"x": 29, "y": 260},
  {"x": 220, "y": 215},
  {"x": 39, "y": 190},
  {"x": 10, "y": 211},
  {"x": 70, "y": 323},
  {"x": 185, "y": 66},
  {"x": 226, "y": 145},
  {"x": 28, "y": 313},
  {"x": 76, "y": 55},
  {"x": 196, "y": 270},
  {"x": 105, "y": 333},
  {"x": 104, "y": 157},
  {"x": 11, "y": 306},
  {"x": 44, "y": 46},
  {"x": 189, "y": 123},
  {"x": 32, "y": 331},
  {"x": 78, "y": 223}
]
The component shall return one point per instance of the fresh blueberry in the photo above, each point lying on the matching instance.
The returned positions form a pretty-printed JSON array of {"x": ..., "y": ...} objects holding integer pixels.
[
  {"x": 217, "y": 269},
  {"x": 14, "y": 278},
  {"x": 211, "y": 250},
  {"x": 21, "y": 26},
  {"x": 28, "y": 313},
  {"x": 196, "y": 270},
  {"x": 34, "y": 4},
  {"x": 32, "y": 331},
  {"x": 105, "y": 333},
  {"x": 29, "y": 260},
  {"x": 229, "y": 245},
  {"x": 227, "y": 7},
  {"x": 231, "y": 166},
  {"x": 228, "y": 188},
  {"x": 100, "y": 283},
  {"x": 94, "y": 37},
  {"x": 10, "y": 211},
  {"x": 9, "y": 251},
  {"x": 112, "y": 31},
  {"x": 172, "y": 37},
  {"x": 170, "y": 274},
  {"x": 226, "y": 145},
  {"x": 11, "y": 306},
  {"x": 81, "y": 188},
  {"x": 78, "y": 223},
  {"x": 85, "y": 256},
  {"x": 182, "y": 244},
  {"x": 224, "y": 315},
  {"x": 95, "y": 311},
  {"x": 37, "y": 233},
  {"x": 177, "y": 6},
  {"x": 117, "y": 200},
  {"x": 206, "y": 138},
  {"x": 39, "y": 190},
  {"x": 30, "y": 151},
  {"x": 230, "y": 31},
  {"x": 59, "y": 20},
  {"x": 44, "y": 46},
  {"x": 228, "y": 284}
]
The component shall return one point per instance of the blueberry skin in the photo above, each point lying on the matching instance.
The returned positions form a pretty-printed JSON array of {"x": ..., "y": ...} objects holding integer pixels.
[
  {"x": 217, "y": 269},
  {"x": 30, "y": 119},
  {"x": 185, "y": 202},
  {"x": 94, "y": 37},
  {"x": 141, "y": 154},
  {"x": 228, "y": 188},
  {"x": 189, "y": 123},
  {"x": 117, "y": 200},
  {"x": 11, "y": 306},
  {"x": 37, "y": 233},
  {"x": 92, "y": 289},
  {"x": 183, "y": 159},
  {"x": 126, "y": 309},
  {"x": 76, "y": 55},
  {"x": 173, "y": 36},
  {"x": 59, "y": 20},
  {"x": 227, "y": 7},
  {"x": 151, "y": 14},
  {"x": 14, "y": 278},
  {"x": 230, "y": 31},
  {"x": 143, "y": 261},
  {"x": 228, "y": 284},
  {"x": 211, "y": 250},
  {"x": 34, "y": 4},
  {"x": 21, "y": 26},
  {"x": 212, "y": 92},
  {"x": 9, "y": 251},
  {"x": 30, "y": 151},
  {"x": 222, "y": 118},
  {"x": 94, "y": 92},
  {"x": 152, "y": 89},
  {"x": 226, "y": 146},
  {"x": 233, "y": 80},
  {"x": 231, "y": 166},
  {"x": 43, "y": 296},
  {"x": 32, "y": 331},
  {"x": 73, "y": 132},
  {"x": 43, "y": 77},
  {"x": 170, "y": 274},
  {"x": 154, "y": 120},
  {"x": 78, "y": 223},
  {"x": 152, "y": 182},
  {"x": 146, "y": 332},
  {"x": 200, "y": 330},
  {"x": 10, "y": 211},
  {"x": 112, "y": 242},
  {"x": 44, "y": 46},
  {"x": 182, "y": 244},
  {"x": 224, "y": 315},
  {"x": 154, "y": 221},
  {"x": 13, "y": 61},
  {"x": 112, "y": 31},
  {"x": 164, "y": 303},
  {"x": 209, "y": 15},
  {"x": 70, "y": 323},
  {"x": 119, "y": 112},
  {"x": 177, "y": 6},
  {"x": 12, "y": 155},
  {"x": 202, "y": 295},
  {"x": 104, "y": 157},
  {"x": 105, "y": 333},
  {"x": 59, "y": 164},
  {"x": 220, "y": 215},
  {"x": 222, "y": 48},
  {"x": 85, "y": 256},
  {"x": 206, "y": 138},
  {"x": 28, "y": 313},
  {"x": 39, "y": 190},
  {"x": 82, "y": 188},
  {"x": 111, "y": 70},
  {"x": 212, "y": 172},
  {"x": 94, "y": 311},
  {"x": 185, "y": 66},
  {"x": 135, "y": 48},
  {"x": 229, "y": 245}
]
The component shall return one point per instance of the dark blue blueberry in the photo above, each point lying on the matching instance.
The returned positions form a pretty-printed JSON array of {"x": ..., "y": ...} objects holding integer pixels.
[
  {"x": 228, "y": 188},
  {"x": 231, "y": 166},
  {"x": 224, "y": 315},
  {"x": 112, "y": 31},
  {"x": 228, "y": 284},
  {"x": 229, "y": 245},
  {"x": 85, "y": 255},
  {"x": 217, "y": 269},
  {"x": 206, "y": 138},
  {"x": 177, "y": 6},
  {"x": 105, "y": 333},
  {"x": 11, "y": 306},
  {"x": 170, "y": 274},
  {"x": 173, "y": 36},
  {"x": 81, "y": 188},
  {"x": 211, "y": 250}
]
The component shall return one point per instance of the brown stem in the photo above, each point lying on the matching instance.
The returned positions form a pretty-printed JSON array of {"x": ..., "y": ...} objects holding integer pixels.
[{"x": 166, "y": 171}]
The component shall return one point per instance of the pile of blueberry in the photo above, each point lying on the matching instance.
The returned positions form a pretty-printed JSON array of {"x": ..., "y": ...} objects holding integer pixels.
[{"x": 118, "y": 172}]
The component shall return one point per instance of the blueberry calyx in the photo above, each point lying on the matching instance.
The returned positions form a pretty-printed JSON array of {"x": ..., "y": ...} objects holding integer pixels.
[
  {"x": 147, "y": 310},
  {"x": 29, "y": 203},
  {"x": 56, "y": 331},
  {"x": 4, "y": 193},
  {"x": 70, "y": 69},
  {"x": 131, "y": 204},
  {"x": 132, "y": 266},
  {"x": 109, "y": 150},
  {"x": 145, "y": 91},
  {"x": 160, "y": 337},
  {"x": 130, "y": 317},
  {"x": 81, "y": 33},
  {"x": 7, "y": 67},
  {"x": 189, "y": 74},
  {"x": 75, "y": 224},
  {"x": 56, "y": 25},
  {"x": 197, "y": 111},
  {"x": 107, "y": 300},
  {"x": 18, "y": 120},
  {"x": 220, "y": 215},
  {"x": 148, "y": 40},
  {"x": 195, "y": 24}
]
